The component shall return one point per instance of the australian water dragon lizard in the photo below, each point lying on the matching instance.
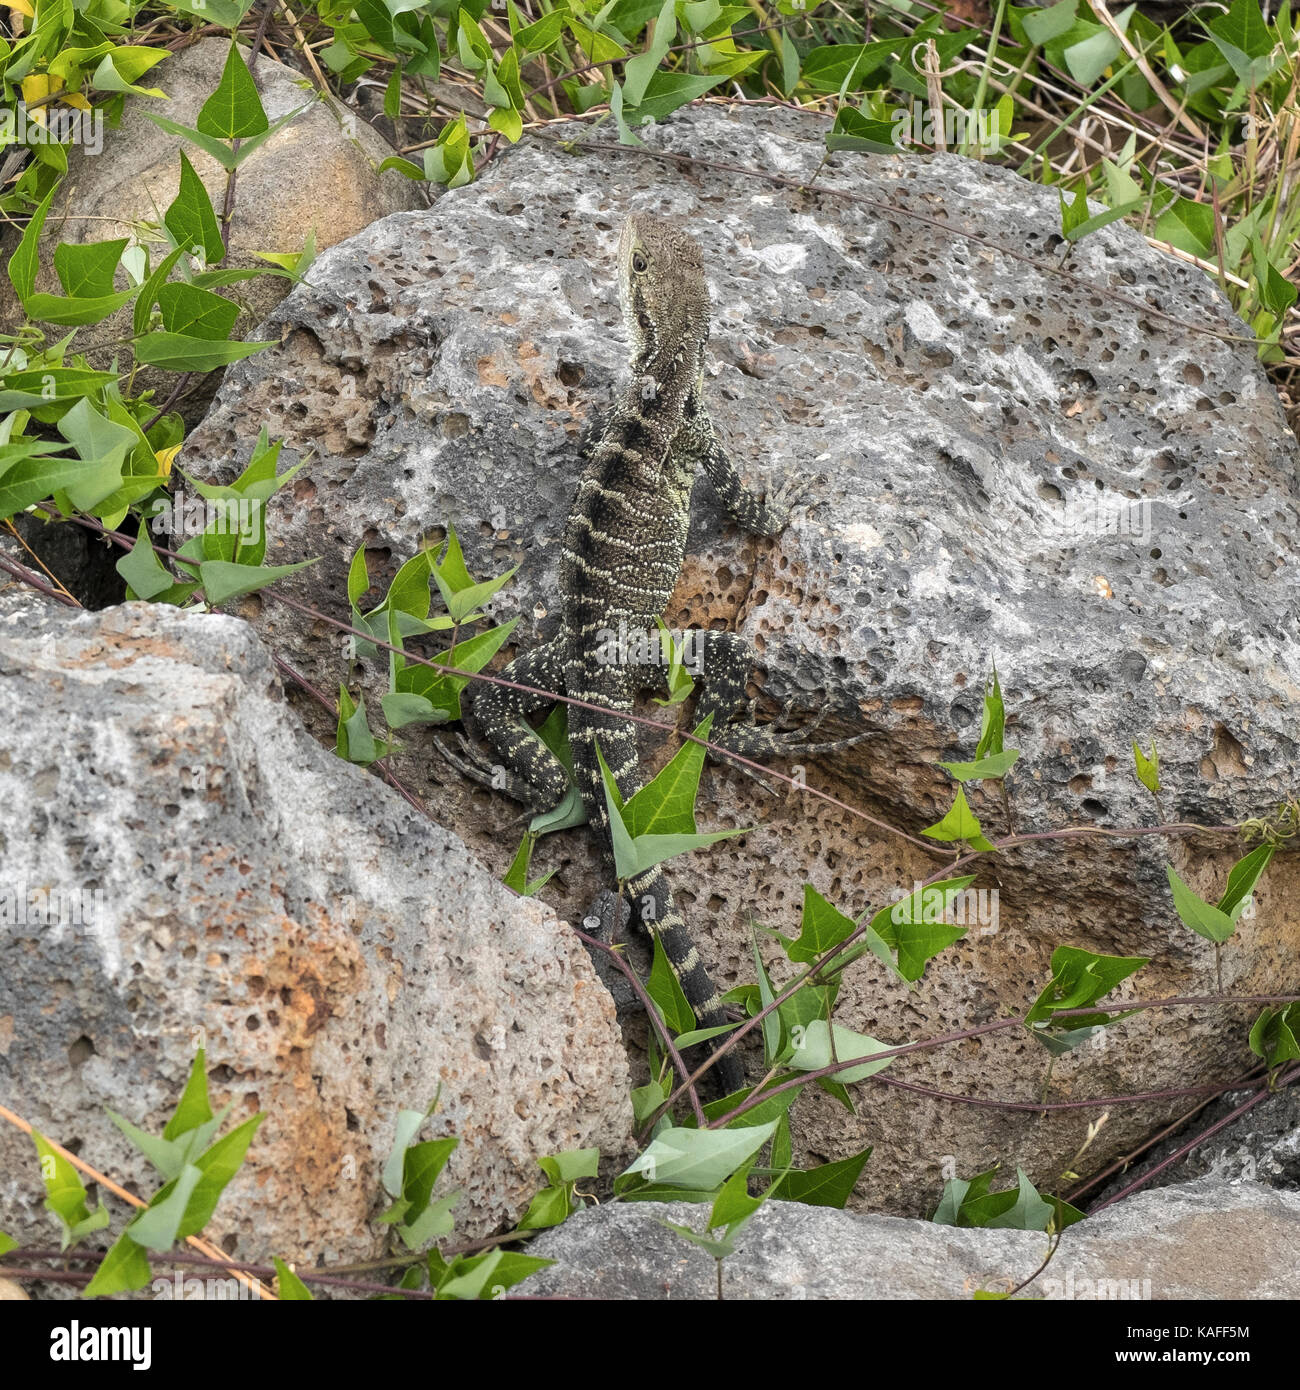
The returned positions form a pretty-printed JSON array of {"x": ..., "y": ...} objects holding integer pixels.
[{"x": 624, "y": 545}]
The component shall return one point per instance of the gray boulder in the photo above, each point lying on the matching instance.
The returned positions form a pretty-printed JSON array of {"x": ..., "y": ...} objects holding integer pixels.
[
  {"x": 184, "y": 866},
  {"x": 1202, "y": 1241}
]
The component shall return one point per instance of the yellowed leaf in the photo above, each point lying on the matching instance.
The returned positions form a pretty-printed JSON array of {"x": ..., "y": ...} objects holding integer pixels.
[{"x": 38, "y": 86}]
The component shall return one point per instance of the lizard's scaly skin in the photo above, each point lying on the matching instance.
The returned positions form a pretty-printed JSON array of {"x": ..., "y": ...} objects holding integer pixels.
[{"x": 623, "y": 549}]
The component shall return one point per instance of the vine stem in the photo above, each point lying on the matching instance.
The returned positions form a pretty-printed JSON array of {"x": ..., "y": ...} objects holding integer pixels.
[
  {"x": 1209, "y": 1091},
  {"x": 931, "y": 847},
  {"x": 665, "y": 1036},
  {"x": 1292, "y": 1076},
  {"x": 127, "y": 542},
  {"x": 689, "y": 1078},
  {"x": 201, "y": 1245},
  {"x": 33, "y": 581},
  {"x": 1248, "y": 1081},
  {"x": 998, "y": 1025}
]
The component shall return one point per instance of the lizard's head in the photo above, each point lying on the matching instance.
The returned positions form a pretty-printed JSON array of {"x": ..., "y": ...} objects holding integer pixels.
[{"x": 662, "y": 288}]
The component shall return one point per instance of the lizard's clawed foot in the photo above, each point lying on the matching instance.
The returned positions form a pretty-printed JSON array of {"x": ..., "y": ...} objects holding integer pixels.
[
  {"x": 756, "y": 741},
  {"x": 475, "y": 765},
  {"x": 800, "y": 740},
  {"x": 472, "y": 762},
  {"x": 781, "y": 502},
  {"x": 795, "y": 492}
]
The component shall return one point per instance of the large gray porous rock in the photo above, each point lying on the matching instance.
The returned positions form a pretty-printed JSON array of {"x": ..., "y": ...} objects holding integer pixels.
[
  {"x": 205, "y": 873},
  {"x": 971, "y": 422}
]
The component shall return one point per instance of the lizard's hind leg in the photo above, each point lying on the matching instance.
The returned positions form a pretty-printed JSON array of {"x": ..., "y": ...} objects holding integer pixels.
[
  {"x": 723, "y": 662},
  {"x": 528, "y": 771}
]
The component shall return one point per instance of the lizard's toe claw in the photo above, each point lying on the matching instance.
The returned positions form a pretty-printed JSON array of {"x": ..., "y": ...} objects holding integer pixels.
[
  {"x": 782, "y": 500},
  {"x": 606, "y": 916},
  {"x": 474, "y": 753}
]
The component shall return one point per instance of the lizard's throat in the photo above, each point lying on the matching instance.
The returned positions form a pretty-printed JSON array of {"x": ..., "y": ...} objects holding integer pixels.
[{"x": 665, "y": 379}]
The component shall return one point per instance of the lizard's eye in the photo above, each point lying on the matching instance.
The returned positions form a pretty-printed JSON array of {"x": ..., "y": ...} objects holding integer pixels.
[
  {"x": 639, "y": 263},
  {"x": 644, "y": 320}
]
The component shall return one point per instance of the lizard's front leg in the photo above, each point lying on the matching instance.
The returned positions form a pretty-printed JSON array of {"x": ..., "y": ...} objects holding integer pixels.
[
  {"x": 765, "y": 516},
  {"x": 697, "y": 442},
  {"x": 722, "y": 662}
]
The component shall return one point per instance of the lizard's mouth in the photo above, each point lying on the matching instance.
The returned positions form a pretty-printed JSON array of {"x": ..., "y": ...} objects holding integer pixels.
[{"x": 625, "y": 244}]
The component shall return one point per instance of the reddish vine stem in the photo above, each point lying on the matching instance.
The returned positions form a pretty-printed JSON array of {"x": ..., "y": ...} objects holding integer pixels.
[
  {"x": 1127, "y": 1006},
  {"x": 56, "y": 1276},
  {"x": 689, "y": 1079},
  {"x": 1007, "y": 842},
  {"x": 126, "y": 542},
  {"x": 652, "y": 1014},
  {"x": 1210, "y": 1090},
  {"x": 176, "y": 393},
  {"x": 1182, "y": 1151},
  {"x": 34, "y": 581},
  {"x": 1125, "y": 1160},
  {"x": 258, "y": 1271},
  {"x": 321, "y": 698}
]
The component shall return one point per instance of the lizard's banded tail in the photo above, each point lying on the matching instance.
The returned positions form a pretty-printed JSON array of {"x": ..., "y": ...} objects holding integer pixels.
[
  {"x": 650, "y": 896},
  {"x": 666, "y": 922}
]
